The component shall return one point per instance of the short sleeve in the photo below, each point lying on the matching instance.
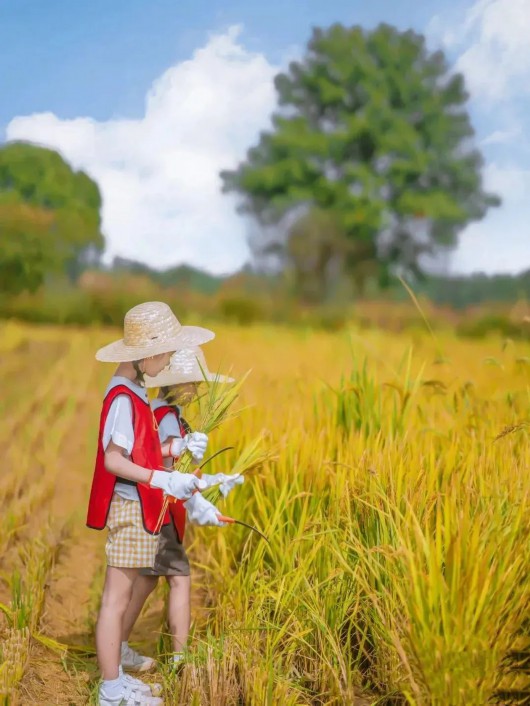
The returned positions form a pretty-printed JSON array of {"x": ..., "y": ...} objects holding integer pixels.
[
  {"x": 119, "y": 424},
  {"x": 169, "y": 426}
]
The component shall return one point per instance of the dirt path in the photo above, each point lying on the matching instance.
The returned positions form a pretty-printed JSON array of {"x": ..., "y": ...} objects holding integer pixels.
[
  {"x": 72, "y": 594},
  {"x": 69, "y": 612}
]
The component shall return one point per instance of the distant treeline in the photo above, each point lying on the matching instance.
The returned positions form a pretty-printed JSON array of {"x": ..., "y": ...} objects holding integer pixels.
[
  {"x": 457, "y": 292},
  {"x": 180, "y": 276},
  {"x": 461, "y": 292}
]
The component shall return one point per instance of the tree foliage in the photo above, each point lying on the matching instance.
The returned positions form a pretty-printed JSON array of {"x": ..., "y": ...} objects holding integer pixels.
[
  {"x": 372, "y": 129},
  {"x": 49, "y": 216}
]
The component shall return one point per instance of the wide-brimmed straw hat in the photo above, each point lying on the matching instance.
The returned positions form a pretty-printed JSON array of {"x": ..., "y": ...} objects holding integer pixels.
[
  {"x": 186, "y": 365},
  {"x": 150, "y": 329}
]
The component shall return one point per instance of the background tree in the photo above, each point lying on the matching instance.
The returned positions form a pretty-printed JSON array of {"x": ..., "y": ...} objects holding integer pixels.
[
  {"x": 312, "y": 249},
  {"x": 49, "y": 217},
  {"x": 372, "y": 130}
]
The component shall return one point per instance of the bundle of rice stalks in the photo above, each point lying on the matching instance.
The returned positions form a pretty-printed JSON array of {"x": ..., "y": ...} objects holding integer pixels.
[
  {"x": 215, "y": 405},
  {"x": 214, "y": 408}
]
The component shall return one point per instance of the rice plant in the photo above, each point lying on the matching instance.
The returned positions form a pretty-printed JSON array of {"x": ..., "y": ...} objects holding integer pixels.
[{"x": 391, "y": 483}]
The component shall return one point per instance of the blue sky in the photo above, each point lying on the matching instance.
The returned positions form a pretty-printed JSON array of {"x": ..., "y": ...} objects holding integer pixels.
[
  {"x": 95, "y": 79},
  {"x": 98, "y": 58}
]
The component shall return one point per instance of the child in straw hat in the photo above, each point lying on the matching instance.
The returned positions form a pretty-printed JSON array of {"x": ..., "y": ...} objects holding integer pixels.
[
  {"x": 178, "y": 386},
  {"x": 128, "y": 486}
]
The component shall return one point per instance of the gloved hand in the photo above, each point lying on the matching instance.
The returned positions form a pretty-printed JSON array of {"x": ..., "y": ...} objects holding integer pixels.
[
  {"x": 179, "y": 485},
  {"x": 177, "y": 447},
  {"x": 230, "y": 483},
  {"x": 225, "y": 482},
  {"x": 196, "y": 443},
  {"x": 201, "y": 512}
]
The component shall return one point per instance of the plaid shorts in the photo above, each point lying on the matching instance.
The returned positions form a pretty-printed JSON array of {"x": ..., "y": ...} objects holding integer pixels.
[{"x": 128, "y": 546}]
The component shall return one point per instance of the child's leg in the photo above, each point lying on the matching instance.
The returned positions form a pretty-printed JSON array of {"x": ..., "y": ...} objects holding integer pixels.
[
  {"x": 142, "y": 587},
  {"x": 179, "y": 610},
  {"x": 116, "y": 597}
]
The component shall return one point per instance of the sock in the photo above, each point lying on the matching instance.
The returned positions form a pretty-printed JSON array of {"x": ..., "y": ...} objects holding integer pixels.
[
  {"x": 178, "y": 656},
  {"x": 112, "y": 687}
]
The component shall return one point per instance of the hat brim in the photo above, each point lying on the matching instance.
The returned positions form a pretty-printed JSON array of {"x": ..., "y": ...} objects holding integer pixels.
[
  {"x": 187, "y": 337},
  {"x": 167, "y": 378}
]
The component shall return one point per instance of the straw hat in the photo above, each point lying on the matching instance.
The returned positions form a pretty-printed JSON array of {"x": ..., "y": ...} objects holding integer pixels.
[
  {"x": 150, "y": 329},
  {"x": 186, "y": 365}
]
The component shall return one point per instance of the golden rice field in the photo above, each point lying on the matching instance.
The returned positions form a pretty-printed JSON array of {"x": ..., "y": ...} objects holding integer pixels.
[{"x": 396, "y": 501}]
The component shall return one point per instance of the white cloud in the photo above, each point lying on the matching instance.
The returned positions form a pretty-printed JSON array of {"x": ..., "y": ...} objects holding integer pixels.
[
  {"x": 501, "y": 137},
  {"x": 502, "y": 242},
  {"x": 489, "y": 44},
  {"x": 497, "y": 61},
  {"x": 159, "y": 175},
  {"x": 445, "y": 31}
]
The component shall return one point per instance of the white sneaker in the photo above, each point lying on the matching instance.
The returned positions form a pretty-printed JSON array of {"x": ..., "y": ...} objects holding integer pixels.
[
  {"x": 135, "y": 662},
  {"x": 129, "y": 696},
  {"x": 149, "y": 689},
  {"x": 176, "y": 662}
]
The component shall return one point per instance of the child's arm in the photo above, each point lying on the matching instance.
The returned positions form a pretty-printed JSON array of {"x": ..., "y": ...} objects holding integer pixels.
[
  {"x": 166, "y": 447},
  {"x": 167, "y": 459},
  {"x": 169, "y": 429},
  {"x": 118, "y": 428},
  {"x": 179, "y": 485},
  {"x": 119, "y": 465}
]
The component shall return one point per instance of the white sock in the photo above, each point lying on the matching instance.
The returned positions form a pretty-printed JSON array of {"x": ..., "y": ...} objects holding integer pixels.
[
  {"x": 112, "y": 687},
  {"x": 178, "y": 656},
  {"x": 124, "y": 645}
]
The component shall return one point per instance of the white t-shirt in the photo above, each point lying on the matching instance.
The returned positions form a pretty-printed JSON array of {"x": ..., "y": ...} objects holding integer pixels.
[
  {"x": 169, "y": 426},
  {"x": 119, "y": 428}
]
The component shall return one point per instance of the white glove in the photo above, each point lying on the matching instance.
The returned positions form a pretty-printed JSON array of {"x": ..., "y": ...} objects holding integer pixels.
[
  {"x": 177, "y": 447},
  {"x": 179, "y": 485},
  {"x": 230, "y": 483},
  {"x": 202, "y": 512},
  {"x": 196, "y": 443},
  {"x": 225, "y": 482}
]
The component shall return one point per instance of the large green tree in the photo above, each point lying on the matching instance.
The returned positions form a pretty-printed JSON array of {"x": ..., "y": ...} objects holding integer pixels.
[
  {"x": 372, "y": 134},
  {"x": 49, "y": 217}
]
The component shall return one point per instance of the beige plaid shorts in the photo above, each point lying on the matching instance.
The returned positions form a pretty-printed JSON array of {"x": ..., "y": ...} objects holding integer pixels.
[{"x": 128, "y": 546}]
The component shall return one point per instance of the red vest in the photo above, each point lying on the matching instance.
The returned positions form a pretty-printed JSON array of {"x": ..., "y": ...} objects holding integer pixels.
[
  {"x": 146, "y": 453},
  {"x": 176, "y": 509}
]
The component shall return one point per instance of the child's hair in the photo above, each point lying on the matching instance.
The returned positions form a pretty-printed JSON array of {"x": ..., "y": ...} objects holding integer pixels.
[
  {"x": 170, "y": 392},
  {"x": 139, "y": 374},
  {"x": 185, "y": 425},
  {"x": 167, "y": 393}
]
